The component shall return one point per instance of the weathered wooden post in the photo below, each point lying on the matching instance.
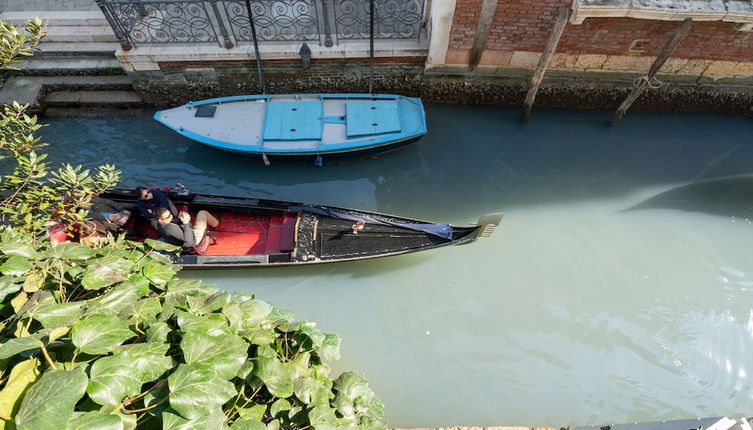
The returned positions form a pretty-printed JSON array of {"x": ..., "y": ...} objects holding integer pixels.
[
  {"x": 680, "y": 32},
  {"x": 538, "y": 75},
  {"x": 256, "y": 47}
]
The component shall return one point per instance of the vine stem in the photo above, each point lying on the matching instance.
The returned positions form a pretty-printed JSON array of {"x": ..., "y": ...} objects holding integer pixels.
[
  {"x": 136, "y": 411},
  {"x": 47, "y": 357},
  {"x": 160, "y": 382},
  {"x": 248, "y": 400},
  {"x": 75, "y": 354}
]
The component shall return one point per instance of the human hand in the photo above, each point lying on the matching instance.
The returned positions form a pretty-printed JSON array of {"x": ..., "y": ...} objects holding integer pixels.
[{"x": 184, "y": 217}]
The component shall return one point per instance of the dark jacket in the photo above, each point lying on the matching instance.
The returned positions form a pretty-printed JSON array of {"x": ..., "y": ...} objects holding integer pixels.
[
  {"x": 159, "y": 199},
  {"x": 177, "y": 234}
]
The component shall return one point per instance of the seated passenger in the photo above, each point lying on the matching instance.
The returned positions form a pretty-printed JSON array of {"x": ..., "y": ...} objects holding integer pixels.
[
  {"x": 92, "y": 233},
  {"x": 109, "y": 212},
  {"x": 149, "y": 200},
  {"x": 180, "y": 232}
]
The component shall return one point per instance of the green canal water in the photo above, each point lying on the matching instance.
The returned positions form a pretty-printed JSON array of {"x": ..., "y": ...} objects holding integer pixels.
[{"x": 581, "y": 309}]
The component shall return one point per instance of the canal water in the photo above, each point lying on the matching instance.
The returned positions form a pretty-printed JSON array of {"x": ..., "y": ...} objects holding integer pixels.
[{"x": 619, "y": 287}]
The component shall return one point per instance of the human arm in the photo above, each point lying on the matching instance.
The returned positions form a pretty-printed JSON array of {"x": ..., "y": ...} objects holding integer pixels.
[{"x": 178, "y": 234}]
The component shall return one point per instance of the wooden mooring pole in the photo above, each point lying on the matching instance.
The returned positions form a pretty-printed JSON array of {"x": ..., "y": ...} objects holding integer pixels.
[
  {"x": 680, "y": 32},
  {"x": 551, "y": 46}
]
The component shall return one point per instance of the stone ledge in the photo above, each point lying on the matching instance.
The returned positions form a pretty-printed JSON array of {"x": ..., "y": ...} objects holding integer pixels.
[
  {"x": 148, "y": 57},
  {"x": 735, "y": 11}
]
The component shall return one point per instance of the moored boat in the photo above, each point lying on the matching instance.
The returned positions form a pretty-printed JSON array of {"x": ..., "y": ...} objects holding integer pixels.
[
  {"x": 261, "y": 233},
  {"x": 298, "y": 127}
]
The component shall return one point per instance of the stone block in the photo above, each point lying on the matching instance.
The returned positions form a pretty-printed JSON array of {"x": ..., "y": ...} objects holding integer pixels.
[
  {"x": 627, "y": 62},
  {"x": 743, "y": 68},
  {"x": 457, "y": 56},
  {"x": 563, "y": 61},
  {"x": 674, "y": 66},
  {"x": 525, "y": 59},
  {"x": 694, "y": 67},
  {"x": 721, "y": 68},
  {"x": 495, "y": 58},
  {"x": 144, "y": 66},
  {"x": 591, "y": 61},
  {"x": 197, "y": 74}
]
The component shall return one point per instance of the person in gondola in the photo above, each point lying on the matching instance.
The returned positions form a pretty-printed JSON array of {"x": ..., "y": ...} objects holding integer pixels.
[
  {"x": 148, "y": 200},
  {"x": 95, "y": 232},
  {"x": 180, "y": 232},
  {"x": 109, "y": 212}
]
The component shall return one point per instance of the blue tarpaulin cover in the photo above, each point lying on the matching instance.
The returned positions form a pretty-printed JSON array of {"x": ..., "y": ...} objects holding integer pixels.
[
  {"x": 372, "y": 117},
  {"x": 293, "y": 120}
]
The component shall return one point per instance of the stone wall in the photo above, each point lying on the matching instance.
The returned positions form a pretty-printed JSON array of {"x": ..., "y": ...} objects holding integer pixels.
[
  {"x": 520, "y": 29},
  {"x": 179, "y": 82}
]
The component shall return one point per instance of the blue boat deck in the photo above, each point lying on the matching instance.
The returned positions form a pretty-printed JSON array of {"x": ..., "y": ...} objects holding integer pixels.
[{"x": 301, "y": 124}]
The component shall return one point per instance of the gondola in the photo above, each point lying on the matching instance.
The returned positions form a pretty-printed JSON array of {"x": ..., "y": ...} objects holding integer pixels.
[
  {"x": 300, "y": 127},
  {"x": 268, "y": 233}
]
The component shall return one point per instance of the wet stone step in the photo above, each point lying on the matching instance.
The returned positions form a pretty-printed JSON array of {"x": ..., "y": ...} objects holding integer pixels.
[{"x": 106, "y": 99}]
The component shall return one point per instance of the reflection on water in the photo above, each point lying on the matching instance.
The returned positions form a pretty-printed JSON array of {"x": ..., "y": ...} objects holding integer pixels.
[{"x": 597, "y": 300}]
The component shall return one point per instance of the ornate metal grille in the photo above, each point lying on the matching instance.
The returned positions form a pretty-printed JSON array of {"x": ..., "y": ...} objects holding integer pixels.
[
  {"x": 206, "y": 21},
  {"x": 275, "y": 20},
  {"x": 163, "y": 21},
  {"x": 394, "y": 19}
]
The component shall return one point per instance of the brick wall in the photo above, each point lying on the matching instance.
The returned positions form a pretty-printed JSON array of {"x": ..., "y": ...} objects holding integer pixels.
[{"x": 524, "y": 25}]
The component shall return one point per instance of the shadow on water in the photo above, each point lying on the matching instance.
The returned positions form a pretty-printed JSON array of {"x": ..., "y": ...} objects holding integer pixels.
[
  {"x": 353, "y": 270},
  {"x": 474, "y": 160},
  {"x": 729, "y": 196}
]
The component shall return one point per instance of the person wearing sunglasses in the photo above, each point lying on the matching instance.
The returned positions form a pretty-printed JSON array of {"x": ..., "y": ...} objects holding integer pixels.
[
  {"x": 148, "y": 200},
  {"x": 180, "y": 232}
]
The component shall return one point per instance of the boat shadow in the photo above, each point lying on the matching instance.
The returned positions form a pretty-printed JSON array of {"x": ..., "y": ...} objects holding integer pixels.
[
  {"x": 343, "y": 270},
  {"x": 727, "y": 196}
]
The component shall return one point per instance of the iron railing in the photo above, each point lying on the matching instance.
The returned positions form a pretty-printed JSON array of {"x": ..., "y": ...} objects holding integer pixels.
[{"x": 138, "y": 22}]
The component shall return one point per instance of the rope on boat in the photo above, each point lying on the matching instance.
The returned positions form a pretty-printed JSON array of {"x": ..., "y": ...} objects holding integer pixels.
[{"x": 651, "y": 83}]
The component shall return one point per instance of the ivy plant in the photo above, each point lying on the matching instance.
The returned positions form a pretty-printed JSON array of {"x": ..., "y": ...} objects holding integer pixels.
[{"x": 110, "y": 338}]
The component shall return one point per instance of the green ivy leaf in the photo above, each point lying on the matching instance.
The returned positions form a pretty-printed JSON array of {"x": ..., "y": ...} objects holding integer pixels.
[
  {"x": 145, "y": 310},
  {"x": 15, "y": 265},
  {"x": 100, "y": 334},
  {"x": 70, "y": 251},
  {"x": 7, "y": 287},
  {"x": 248, "y": 424},
  {"x": 53, "y": 315},
  {"x": 158, "y": 273},
  {"x": 48, "y": 405},
  {"x": 281, "y": 405},
  {"x": 306, "y": 388},
  {"x": 214, "y": 420},
  {"x": 124, "y": 294},
  {"x": 17, "y": 345},
  {"x": 97, "y": 277},
  {"x": 158, "y": 332},
  {"x": 330, "y": 349},
  {"x": 195, "y": 393},
  {"x": 274, "y": 376},
  {"x": 255, "y": 312},
  {"x": 20, "y": 249},
  {"x": 352, "y": 389},
  {"x": 323, "y": 418},
  {"x": 112, "y": 380},
  {"x": 22, "y": 376},
  {"x": 149, "y": 359},
  {"x": 33, "y": 281},
  {"x": 255, "y": 412},
  {"x": 95, "y": 421},
  {"x": 159, "y": 245},
  {"x": 217, "y": 351}
]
